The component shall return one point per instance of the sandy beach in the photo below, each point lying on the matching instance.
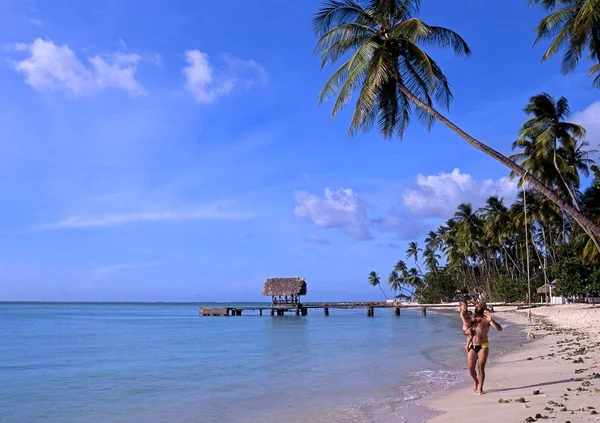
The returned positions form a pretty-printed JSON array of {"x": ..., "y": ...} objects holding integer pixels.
[{"x": 554, "y": 377}]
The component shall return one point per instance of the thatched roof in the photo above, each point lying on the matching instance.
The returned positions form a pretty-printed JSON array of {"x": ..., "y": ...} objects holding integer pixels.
[
  {"x": 544, "y": 289},
  {"x": 284, "y": 286}
]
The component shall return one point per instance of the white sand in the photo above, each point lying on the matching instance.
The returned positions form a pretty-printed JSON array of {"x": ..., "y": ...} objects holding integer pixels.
[{"x": 564, "y": 394}]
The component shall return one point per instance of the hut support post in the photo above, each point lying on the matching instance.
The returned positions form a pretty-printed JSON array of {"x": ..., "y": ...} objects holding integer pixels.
[
  {"x": 326, "y": 311},
  {"x": 396, "y": 311},
  {"x": 304, "y": 311},
  {"x": 272, "y": 312},
  {"x": 260, "y": 312},
  {"x": 424, "y": 311},
  {"x": 297, "y": 311}
]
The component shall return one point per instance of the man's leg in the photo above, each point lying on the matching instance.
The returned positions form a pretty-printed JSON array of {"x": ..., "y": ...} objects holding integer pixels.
[
  {"x": 482, "y": 356},
  {"x": 471, "y": 362}
]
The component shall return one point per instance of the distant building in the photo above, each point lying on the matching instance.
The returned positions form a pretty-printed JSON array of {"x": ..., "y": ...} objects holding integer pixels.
[
  {"x": 285, "y": 290},
  {"x": 546, "y": 291}
]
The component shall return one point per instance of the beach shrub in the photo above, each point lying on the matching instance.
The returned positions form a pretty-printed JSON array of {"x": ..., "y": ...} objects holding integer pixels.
[
  {"x": 438, "y": 286},
  {"x": 573, "y": 277}
]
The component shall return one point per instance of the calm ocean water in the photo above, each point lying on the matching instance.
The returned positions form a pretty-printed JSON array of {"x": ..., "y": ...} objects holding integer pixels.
[{"x": 62, "y": 363}]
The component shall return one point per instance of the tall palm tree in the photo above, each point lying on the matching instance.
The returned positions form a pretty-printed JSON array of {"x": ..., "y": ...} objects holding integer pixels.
[
  {"x": 413, "y": 251},
  {"x": 394, "y": 75},
  {"x": 548, "y": 138},
  {"x": 414, "y": 278},
  {"x": 433, "y": 241},
  {"x": 402, "y": 271},
  {"x": 431, "y": 259},
  {"x": 575, "y": 26},
  {"x": 394, "y": 282},
  {"x": 375, "y": 281}
]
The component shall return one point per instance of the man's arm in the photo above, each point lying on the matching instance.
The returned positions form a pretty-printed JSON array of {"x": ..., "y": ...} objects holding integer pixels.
[{"x": 493, "y": 323}]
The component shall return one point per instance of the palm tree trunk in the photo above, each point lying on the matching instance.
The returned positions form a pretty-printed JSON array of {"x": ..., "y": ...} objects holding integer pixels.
[
  {"x": 575, "y": 203},
  {"x": 583, "y": 220},
  {"x": 382, "y": 291}
]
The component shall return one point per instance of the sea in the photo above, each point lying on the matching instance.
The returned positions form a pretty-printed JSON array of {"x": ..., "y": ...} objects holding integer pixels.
[{"x": 164, "y": 363}]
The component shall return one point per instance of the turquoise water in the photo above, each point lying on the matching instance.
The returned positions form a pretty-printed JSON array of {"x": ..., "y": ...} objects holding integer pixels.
[{"x": 62, "y": 363}]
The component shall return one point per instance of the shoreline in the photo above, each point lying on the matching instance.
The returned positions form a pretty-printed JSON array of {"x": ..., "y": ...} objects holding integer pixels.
[{"x": 562, "y": 363}]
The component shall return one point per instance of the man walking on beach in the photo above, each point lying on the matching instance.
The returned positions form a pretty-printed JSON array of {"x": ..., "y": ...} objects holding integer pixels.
[{"x": 479, "y": 347}]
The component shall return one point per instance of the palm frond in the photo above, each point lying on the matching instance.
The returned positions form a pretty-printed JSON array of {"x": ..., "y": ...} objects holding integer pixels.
[{"x": 336, "y": 12}]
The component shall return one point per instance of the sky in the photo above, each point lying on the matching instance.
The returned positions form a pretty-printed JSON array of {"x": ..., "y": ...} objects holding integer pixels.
[{"x": 176, "y": 151}]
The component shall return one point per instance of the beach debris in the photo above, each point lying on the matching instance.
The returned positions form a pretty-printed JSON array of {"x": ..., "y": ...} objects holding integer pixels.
[
  {"x": 586, "y": 383},
  {"x": 529, "y": 419},
  {"x": 563, "y": 409},
  {"x": 536, "y": 392},
  {"x": 548, "y": 408},
  {"x": 538, "y": 416},
  {"x": 556, "y": 404},
  {"x": 508, "y": 401},
  {"x": 593, "y": 412},
  {"x": 529, "y": 358},
  {"x": 579, "y": 371},
  {"x": 578, "y": 361}
]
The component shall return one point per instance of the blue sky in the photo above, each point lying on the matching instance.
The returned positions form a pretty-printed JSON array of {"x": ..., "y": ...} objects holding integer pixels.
[{"x": 175, "y": 150}]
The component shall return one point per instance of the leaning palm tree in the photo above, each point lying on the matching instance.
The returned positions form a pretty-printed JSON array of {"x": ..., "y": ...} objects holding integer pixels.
[
  {"x": 383, "y": 42},
  {"x": 575, "y": 26},
  {"x": 375, "y": 281}
]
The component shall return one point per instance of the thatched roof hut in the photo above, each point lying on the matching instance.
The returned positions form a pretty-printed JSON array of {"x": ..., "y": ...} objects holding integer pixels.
[
  {"x": 278, "y": 287},
  {"x": 544, "y": 289}
]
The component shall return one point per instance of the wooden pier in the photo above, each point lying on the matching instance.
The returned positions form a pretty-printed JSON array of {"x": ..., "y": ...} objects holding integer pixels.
[{"x": 302, "y": 309}]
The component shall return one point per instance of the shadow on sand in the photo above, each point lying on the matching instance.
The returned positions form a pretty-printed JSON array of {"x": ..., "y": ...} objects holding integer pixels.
[{"x": 537, "y": 385}]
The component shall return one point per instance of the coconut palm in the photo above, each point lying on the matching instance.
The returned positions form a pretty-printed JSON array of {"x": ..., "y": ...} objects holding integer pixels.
[
  {"x": 555, "y": 140},
  {"x": 382, "y": 42},
  {"x": 395, "y": 282},
  {"x": 375, "y": 281},
  {"x": 413, "y": 251},
  {"x": 414, "y": 278},
  {"x": 547, "y": 138},
  {"x": 431, "y": 259},
  {"x": 575, "y": 26}
]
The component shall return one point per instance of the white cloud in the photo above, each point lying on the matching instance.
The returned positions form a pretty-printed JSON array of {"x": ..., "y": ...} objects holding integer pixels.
[
  {"x": 316, "y": 239},
  {"x": 120, "y": 219},
  {"x": 341, "y": 209},
  {"x": 589, "y": 118},
  {"x": 206, "y": 85},
  {"x": 54, "y": 67},
  {"x": 439, "y": 195}
]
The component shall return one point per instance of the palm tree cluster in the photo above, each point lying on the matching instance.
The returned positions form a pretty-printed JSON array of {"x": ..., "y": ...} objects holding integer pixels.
[
  {"x": 501, "y": 250},
  {"x": 383, "y": 47}
]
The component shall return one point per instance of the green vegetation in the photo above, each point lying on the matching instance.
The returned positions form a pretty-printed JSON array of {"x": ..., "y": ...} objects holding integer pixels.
[
  {"x": 502, "y": 251},
  {"x": 394, "y": 76}
]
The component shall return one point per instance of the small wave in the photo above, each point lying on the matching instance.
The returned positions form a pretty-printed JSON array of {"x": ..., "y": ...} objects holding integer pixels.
[{"x": 425, "y": 382}]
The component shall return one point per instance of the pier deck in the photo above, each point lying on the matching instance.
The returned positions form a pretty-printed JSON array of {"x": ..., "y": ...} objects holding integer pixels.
[{"x": 302, "y": 309}]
